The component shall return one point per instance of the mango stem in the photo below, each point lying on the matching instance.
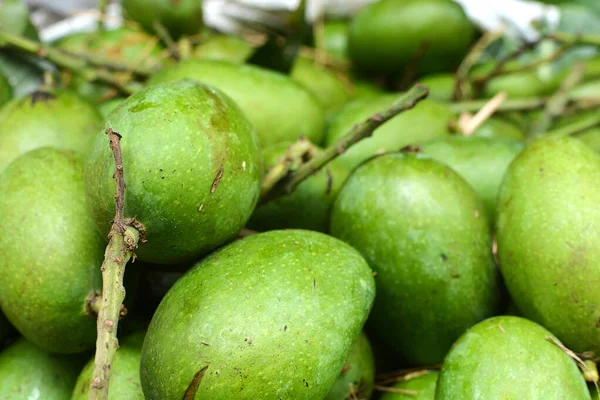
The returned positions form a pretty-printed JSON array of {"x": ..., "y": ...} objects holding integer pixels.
[
  {"x": 124, "y": 237},
  {"x": 275, "y": 188}
]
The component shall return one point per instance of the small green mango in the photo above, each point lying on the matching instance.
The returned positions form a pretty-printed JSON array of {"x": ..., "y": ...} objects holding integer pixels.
[
  {"x": 106, "y": 107},
  {"x": 51, "y": 259},
  {"x": 423, "y": 231},
  {"x": 125, "y": 46},
  {"x": 509, "y": 357},
  {"x": 309, "y": 206},
  {"x": 426, "y": 121},
  {"x": 358, "y": 373},
  {"x": 482, "y": 162},
  {"x": 224, "y": 48},
  {"x": 336, "y": 37},
  {"x": 419, "y": 387},
  {"x": 179, "y": 17},
  {"x": 547, "y": 242},
  {"x": 273, "y": 315},
  {"x": 325, "y": 86},
  {"x": 5, "y": 90},
  {"x": 385, "y": 36},
  {"x": 57, "y": 118},
  {"x": 280, "y": 109},
  {"x": 125, "y": 373},
  {"x": 499, "y": 128},
  {"x": 26, "y": 372},
  {"x": 441, "y": 85},
  {"x": 191, "y": 165}
]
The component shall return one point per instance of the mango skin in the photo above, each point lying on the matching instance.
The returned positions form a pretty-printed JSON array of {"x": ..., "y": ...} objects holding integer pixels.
[
  {"x": 58, "y": 118},
  {"x": 125, "y": 46},
  {"x": 358, "y": 371},
  {"x": 424, "y": 385},
  {"x": 106, "y": 107},
  {"x": 5, "y": 90},
  {"x": 441, "y": 85},
  {"x": 427, "y": 120},
  {"x": 224, "y": 48},
  {"x": 499, "y": 128},
  {"x": 547, "y": 243},
  {"x": 279, "y": 108},
  {"x": 386, "y": 35},
  {"x": 191, "y": 165},
  {"x": 43, "y": 292},
  {"x": 482, "y": 162},
  {"x": 324, "y": 85},
  {"x": 313, "y": 292},
  {"x": 591, "y": 138},
  {"x": 125, "y": 373},
  {"x": 423, "y": 230},
  {"x": 180, "y": 17},
  {"x": 309, "y": 206},
  {"x": 509, "y": 357},
  {"x": 26, "y": 372}
]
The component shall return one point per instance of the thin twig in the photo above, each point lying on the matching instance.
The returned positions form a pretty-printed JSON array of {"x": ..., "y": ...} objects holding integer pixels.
[
  {"x": 123, "y": 240},
  {"x": 481, "y": 82},
  {"x": 358, "y": 132},
  {"x": 65, "y": 60},
  {"x": 388, "y": 389},
  {"x": 483, "y": 114},
  {"x": 576, "y": 127},
  {"x": 461, "y": 90},
  {"x": 102, "y": 5},
  {"x": 575, "y": 38},
  {"x": 528, "y": 104},
  {"x": 557, "y": 103},
  {"x": 164, "y": 35}
]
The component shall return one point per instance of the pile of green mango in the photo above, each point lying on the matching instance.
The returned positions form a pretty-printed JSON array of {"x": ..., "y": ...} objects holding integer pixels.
[{"x": 443, "y": 256}]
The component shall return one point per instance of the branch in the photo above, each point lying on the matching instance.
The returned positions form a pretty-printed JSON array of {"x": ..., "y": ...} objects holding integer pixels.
[
  {"x": 123, "y": 240},
  {"x": 164, "y": 35},
  {"x": 527, "y": 104},
  {"x": 358, "y": 132},
  {"x": 557, "y": 103},
  {"x": 462, "y": 73},
  {"x": 575, "y": 38},
  {"x": 64, "y": 60},
  {"x": 576, "y": 127}
]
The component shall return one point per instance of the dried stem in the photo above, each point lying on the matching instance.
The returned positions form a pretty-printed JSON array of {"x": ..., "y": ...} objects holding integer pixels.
[
  {"x": 362, "y": 130},
  {"x": 461, "y": 90},
  {"x": 474, "y": 122},
  {"x": 556, "y": 104},
  {"x": 65, "y": 60},
  {"x": 123, "y": 240},
  {"x": 388, "y": 389}
]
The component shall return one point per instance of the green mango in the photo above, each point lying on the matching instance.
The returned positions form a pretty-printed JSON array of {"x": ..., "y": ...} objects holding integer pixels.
[
  {"x": 365, "y": 89},
  {"x": 5, "y": 90},
  {"x": 106, "y": 107},
  {"x": 279, "y": 108},
  {"x": 591, "y": 137},
  {"x": 331, "y": 92},
  {"x": 125, "y": 373},
  {"x": 509, "y": 357},
  {"x": 547, "y": 243},
  {"x": 481, "y": 161},
  {"x": 336, "y": 37},
  {"x": 191, "y": 165},
  {"x": 51, "y": 259},
  {"x": 441, "y": 85},
  {"x": 224, "y": 48},
  {"x": 358, "y": 373},
  {"x": 387, "y": 35},
  {"x": 273, "y": 315},
  {"x": 422, "y": 229},
  {"x": 125, "y": 46},
  {"x": 498, "y": 128},
  {"x": 26, "y": 372},
  {"x": 422, "y": 384},
  {"x": 56, "y": 118},
  {"x": 426, "y": 121},
  {"x": 179, "y": 17},
  {"x": 309, "y": 206}
]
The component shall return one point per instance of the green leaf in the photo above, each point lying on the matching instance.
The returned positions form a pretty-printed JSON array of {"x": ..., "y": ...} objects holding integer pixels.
[{"x": 14, "y": 19}]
